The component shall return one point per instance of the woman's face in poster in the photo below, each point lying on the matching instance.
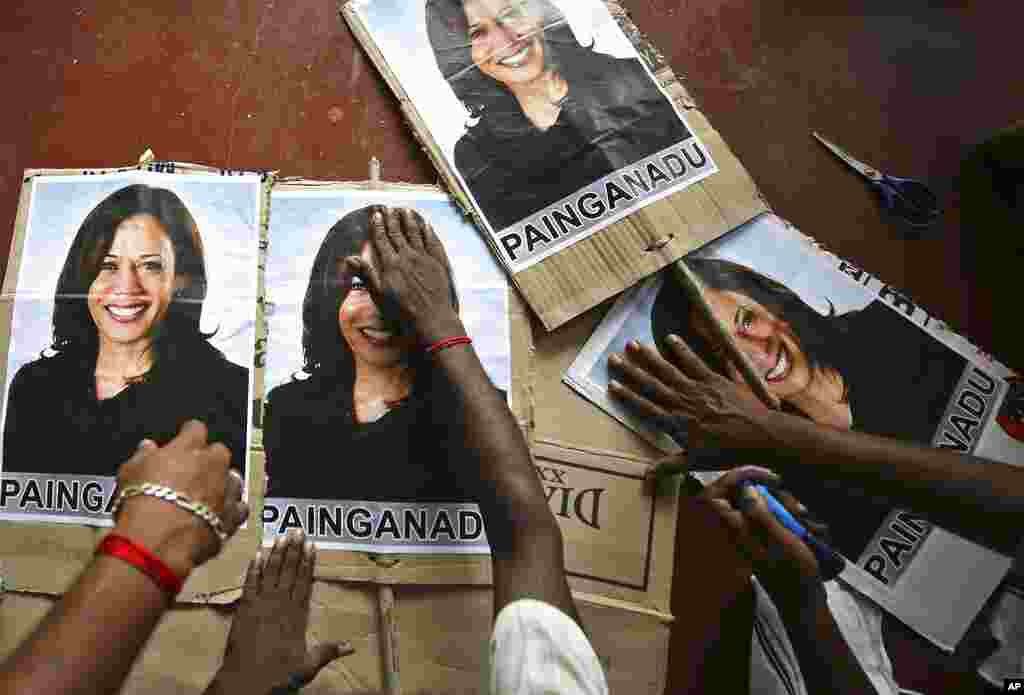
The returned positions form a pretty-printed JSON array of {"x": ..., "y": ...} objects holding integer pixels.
[
  {"x": 135, "y": 284},
  {"x": 505, "y": 39},
  {"x": 369, "y": 337},
  {"x": 767, "y": 340}
]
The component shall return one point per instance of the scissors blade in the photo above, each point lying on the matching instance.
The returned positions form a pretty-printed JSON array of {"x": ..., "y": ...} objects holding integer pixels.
[{"x": 868, "y": 172}]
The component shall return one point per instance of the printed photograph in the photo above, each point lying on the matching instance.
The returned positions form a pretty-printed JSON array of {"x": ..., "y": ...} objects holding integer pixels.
[
  {"x": 134, "y": 312},
  {"x": 543, "y": 109},
  {"x": 832, "y": 350},
  {"x": 351, "y": 411}
]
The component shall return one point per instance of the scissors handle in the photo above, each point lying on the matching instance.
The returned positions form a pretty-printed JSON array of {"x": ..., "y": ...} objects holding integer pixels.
[{"x": 912, "y": 201}]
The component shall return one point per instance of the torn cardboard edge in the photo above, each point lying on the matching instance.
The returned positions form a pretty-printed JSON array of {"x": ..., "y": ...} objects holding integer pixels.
[
  {"x": 584, "y": 274},
  {"x": 45, "y": 557}
]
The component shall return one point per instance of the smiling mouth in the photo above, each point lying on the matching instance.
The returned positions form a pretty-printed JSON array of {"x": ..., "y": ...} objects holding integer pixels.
[
  {"x": 126, "y": 314},
  {"x": 377, "y": 336},
  {"x": 517, "y": 59},
  {"x": 781, "y": 369}
]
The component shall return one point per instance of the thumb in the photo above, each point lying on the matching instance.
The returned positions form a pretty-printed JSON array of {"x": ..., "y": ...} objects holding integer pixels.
[{"x": 321, "y": 655}]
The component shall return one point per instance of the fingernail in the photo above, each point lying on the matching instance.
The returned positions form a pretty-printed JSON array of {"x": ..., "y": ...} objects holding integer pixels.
[
  {"x": 378, "y": 217},
  {"x": 614, "y": 385},
  {"x": 308, "y": 547},
  {"x": 673, "y": 338},
  {"x": 633, "y": 345},
  {"x": 615, "y": 360}
]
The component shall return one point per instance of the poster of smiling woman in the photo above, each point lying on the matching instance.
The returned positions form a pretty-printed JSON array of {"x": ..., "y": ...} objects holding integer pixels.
[
  {"x": 134, "y": 310},
  {"x": 355, "y": 429},
  {"x": 541, "y": 108},
  {"x": 842, "y": 348}
]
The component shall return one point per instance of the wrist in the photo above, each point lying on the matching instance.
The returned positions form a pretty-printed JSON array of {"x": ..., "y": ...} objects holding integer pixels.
[
  {"x": 446, "y": 327},
  {"x": 172, "y": 534}
]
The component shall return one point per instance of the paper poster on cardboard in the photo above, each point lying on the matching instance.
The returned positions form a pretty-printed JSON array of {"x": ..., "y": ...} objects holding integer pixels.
[
  {"x": 544, "y": 111},
  {"x": 134, "y": 311},
  {"x": 842, "y": 348},
  {"x": 356, "y": 436}
]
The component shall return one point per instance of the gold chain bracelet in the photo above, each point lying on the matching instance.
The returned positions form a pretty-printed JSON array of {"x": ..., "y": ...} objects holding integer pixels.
[{"x": 177, "y": 499}]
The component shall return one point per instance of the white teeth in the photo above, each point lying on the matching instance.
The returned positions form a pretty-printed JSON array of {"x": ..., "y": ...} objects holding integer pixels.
[
  {"x": 780, "y": 367},
  {"x": 125, "y": 312},
  {"x": 516, "y": 59},
  {"x": 377, "y": 334}
]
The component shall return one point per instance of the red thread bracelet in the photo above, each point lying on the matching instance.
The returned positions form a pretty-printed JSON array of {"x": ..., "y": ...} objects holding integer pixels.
[
  {"x": 143, "y": 560},
  {"x": 449, "y": 342}
]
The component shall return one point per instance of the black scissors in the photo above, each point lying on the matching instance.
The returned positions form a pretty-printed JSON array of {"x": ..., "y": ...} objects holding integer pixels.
[{"x": 908, "y": 199}]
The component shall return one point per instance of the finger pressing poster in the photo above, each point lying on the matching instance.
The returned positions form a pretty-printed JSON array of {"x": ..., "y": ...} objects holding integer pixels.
[
  {"x": 544, "y": 111},
  {"x": 357, "y": 436},
  {"x": 843, "y": 349},
  {"x": 134, "y": 311}
]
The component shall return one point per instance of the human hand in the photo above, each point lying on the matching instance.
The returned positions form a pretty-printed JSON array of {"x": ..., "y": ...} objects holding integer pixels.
[
  {"x": 196, "y": 469},
  {"x": 785, "y": 565},
  {"x": 266, "y": 646},
  {"x": 685, "y": 398},
  {"x": 410, "y": 278}
]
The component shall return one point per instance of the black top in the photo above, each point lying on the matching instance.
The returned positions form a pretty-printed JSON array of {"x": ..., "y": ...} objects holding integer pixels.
[
  {"x": 613, "y": 116},
  {"x": 315, "y": 449},
  {"x": 900, "y": 380},
  {"x": 56, "y": 425}
]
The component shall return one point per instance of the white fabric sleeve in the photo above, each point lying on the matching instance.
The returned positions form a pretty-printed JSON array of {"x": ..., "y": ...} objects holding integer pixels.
[
  {"x": 537, "y": 649},
  {"x": 774, "y": 668}
]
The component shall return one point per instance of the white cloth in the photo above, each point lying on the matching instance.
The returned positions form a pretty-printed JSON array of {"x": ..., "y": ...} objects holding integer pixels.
[
  {"x": 1006, "y": 623},
  {"x": 774, "y": 669},
  {"x": 537, "y": 649}
]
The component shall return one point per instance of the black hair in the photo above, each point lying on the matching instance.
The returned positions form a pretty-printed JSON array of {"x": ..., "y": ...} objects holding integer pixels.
[
  {"x": 448, "y": 32},
  {"x": 324, "y": 349},
  {"x": 821, "y": 338},
  {"x": 178, "y": 333}
]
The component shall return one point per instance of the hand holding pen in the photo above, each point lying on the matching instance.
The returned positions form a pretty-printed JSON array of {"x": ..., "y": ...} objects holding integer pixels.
[{"x": 790, "y": 569}]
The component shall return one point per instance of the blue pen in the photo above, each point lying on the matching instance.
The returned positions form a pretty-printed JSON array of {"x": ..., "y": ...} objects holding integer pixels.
[{"x": 830, "y": 562}]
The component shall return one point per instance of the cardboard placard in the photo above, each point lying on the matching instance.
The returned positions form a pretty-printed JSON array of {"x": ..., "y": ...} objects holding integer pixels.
[
  {"x": 385, "y": 565},
  {"x": 43, "y": 556},
  {"x": 578, "y": 276}
]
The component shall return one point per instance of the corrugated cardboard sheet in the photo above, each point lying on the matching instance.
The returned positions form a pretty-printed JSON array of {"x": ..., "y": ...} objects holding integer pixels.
[
  {"x": 584, "y": 274},
  {"x": 46, "y": 557},
  {"x": 442, "y": 640}
]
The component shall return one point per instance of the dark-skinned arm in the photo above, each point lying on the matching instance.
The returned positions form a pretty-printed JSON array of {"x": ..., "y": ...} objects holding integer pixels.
[
  {"x": 89, "y": 640},
  {"x": 409, "y": 279},
  {"x": 977, "y": 498}
]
